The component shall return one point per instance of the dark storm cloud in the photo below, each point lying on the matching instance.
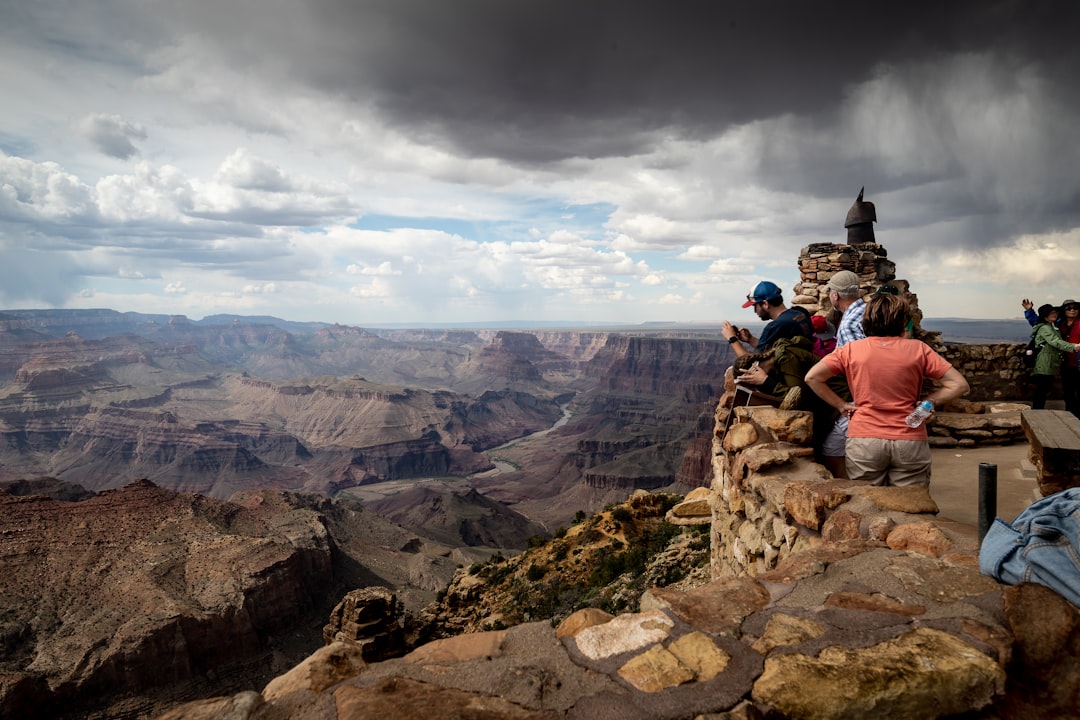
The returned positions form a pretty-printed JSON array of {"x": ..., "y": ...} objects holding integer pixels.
[{"x": 542, "y": 81}]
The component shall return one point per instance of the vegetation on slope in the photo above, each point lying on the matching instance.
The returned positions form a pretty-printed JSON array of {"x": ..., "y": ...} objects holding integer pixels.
[{"x": 604, "y": 561}]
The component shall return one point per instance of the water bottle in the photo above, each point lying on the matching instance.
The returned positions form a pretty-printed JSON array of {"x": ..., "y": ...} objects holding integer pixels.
[{"x": 922, "y": 411}]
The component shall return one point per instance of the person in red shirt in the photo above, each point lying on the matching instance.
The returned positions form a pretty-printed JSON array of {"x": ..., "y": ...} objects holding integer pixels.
[
  {"x": 824, "y": 336},
  {"x": 885, "y": 373},
  {"x": 1069, "y": 324}
]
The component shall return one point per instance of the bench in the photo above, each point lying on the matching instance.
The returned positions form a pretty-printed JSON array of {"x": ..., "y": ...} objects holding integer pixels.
[{"x": 1054, "y": 439}]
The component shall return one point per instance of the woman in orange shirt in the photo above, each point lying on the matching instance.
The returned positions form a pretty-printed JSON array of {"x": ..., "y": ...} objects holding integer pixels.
[{"x": 885, "y": 373}]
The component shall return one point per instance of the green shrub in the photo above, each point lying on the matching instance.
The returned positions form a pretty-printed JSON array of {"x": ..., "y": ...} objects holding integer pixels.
[
  {"x": 669, "y": 501},
  {"x": 495, "y": 573}
]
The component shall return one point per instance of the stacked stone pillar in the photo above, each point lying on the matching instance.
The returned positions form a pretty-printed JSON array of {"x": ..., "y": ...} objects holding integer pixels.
[{"x": 820, "y": 261}]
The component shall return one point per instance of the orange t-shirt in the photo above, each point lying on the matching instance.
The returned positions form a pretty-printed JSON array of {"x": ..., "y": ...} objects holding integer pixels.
[{"x": 885, "y": 375}]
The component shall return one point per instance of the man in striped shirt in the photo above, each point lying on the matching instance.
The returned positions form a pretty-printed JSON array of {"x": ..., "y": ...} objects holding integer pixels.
[{"x": 846, "y": 295}]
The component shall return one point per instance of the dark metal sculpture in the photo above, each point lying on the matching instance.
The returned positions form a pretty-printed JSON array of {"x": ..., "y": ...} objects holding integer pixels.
[{"x": 860, "y": 221}]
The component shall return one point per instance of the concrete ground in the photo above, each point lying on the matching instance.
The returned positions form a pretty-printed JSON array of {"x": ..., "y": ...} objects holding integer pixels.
[{"x": 954, "y": 482}]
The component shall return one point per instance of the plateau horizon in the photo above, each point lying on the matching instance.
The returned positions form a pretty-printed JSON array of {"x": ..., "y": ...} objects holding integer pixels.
[{"x": 953, "y": 329}]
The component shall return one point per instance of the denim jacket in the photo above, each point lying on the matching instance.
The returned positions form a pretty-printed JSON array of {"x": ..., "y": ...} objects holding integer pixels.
[{"x": 1042, "y": 545}]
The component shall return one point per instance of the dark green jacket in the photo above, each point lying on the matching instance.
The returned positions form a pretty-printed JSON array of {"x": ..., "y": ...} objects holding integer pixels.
[
  {"x": 792, "y": 359},
  {"x": 1049, "y": 345}
]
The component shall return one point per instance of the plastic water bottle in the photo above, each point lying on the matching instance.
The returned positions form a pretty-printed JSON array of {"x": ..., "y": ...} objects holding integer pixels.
[{"x": 922, "y": 411}]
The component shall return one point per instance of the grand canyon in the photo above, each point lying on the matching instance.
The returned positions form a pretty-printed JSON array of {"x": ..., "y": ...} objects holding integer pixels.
[{"x": 185, "y": 501}]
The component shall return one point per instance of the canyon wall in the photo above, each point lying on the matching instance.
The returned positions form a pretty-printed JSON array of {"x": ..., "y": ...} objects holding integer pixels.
[
  {"x": 130, "y": 601},
  {"x": 144, "y": 588},
  {"x": 660, "y": 366}
]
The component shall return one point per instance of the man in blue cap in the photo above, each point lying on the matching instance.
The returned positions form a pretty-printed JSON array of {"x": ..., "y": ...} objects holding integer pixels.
[{"x": 784, "y": 322}]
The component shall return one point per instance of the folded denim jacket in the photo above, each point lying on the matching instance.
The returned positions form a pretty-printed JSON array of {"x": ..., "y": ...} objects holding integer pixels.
[{"x": 1042, "y": 545}]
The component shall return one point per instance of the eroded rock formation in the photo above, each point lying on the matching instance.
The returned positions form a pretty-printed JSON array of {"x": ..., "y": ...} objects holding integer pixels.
[
  {"x": 140, "y": 597},
  {"x": 103, "y": 413},
  {"x": 660, "y": 366}
]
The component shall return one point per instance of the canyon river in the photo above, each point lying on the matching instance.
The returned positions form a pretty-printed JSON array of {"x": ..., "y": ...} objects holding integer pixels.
[{"x": 378, "y": 491}]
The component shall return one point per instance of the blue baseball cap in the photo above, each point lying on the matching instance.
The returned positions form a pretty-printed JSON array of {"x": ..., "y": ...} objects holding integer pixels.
[{"x": 765, "y": 290}]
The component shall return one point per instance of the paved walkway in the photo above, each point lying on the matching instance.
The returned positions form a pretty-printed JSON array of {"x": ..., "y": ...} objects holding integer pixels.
[{"x": 954, "y": 484}]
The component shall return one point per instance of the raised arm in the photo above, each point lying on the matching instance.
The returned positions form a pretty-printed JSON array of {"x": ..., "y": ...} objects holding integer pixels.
[
  {"x": 732, "y": 335},
  {"x": 1029, "y": 311}
]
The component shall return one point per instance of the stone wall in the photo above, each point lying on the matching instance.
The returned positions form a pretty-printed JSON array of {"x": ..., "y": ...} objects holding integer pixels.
[
  {"x": 820, "y": 261},
  {"x": 763, "y": 461},
  {"x": 875, "y": 554},
  {"x": 976, "y": 425},
  {"x": 994, "y": 371}
]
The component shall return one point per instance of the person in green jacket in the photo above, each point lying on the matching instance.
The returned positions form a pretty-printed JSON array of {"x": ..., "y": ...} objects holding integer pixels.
[{"x": 1048, "y": 345}]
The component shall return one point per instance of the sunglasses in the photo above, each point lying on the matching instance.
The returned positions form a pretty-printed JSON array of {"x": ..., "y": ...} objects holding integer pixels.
[{"x": 888, "y": 290}]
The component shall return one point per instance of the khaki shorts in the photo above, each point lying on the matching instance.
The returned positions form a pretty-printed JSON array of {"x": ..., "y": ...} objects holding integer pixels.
[{"x": 888, "y": 462}]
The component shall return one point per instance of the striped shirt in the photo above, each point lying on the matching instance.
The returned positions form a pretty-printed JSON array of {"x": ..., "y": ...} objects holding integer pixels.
[{"x": 850, "y": 328}]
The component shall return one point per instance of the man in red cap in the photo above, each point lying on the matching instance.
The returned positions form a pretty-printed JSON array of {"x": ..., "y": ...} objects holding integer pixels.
[{"x": 784, "y": 322}]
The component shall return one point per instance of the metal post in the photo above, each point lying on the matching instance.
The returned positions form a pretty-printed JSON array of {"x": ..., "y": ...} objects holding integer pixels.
[{"x": 987, "y": 497}]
